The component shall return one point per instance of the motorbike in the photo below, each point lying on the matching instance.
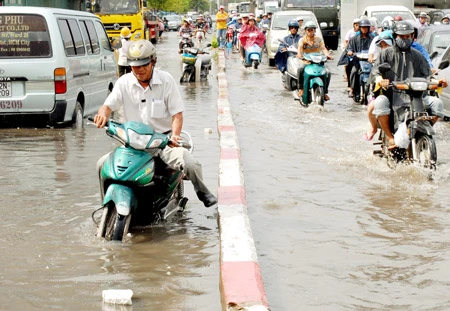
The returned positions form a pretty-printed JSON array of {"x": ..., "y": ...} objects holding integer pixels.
[
  {"x": 411, "y": 124},
  {"x": 253, "y": 56},
  {"x": 252, "y": 41},
  {"x": 200, "y": 36},
  {"x": 288, "y": 65},
  {"x": 314, "y": 79},
  {"x": 186, "y": 41},
  {"x": 196, "y": 64},
  {"x": 364, "y": 72},
  {"x": 136, "y": 187}
]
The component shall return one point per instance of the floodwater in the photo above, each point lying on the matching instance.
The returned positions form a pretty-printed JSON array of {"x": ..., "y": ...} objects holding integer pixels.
[
  {"x": 334, "y": 227},
  {"x": 50, "y": 257}
]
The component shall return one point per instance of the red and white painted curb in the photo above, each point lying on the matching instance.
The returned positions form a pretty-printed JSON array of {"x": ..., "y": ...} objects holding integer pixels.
[{"x": 241, "y": 281}]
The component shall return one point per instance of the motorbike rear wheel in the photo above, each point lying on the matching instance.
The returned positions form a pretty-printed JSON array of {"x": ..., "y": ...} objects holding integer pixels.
[
  {"x": 318, "y": 95},
  {"x": 426, "y": 151}
]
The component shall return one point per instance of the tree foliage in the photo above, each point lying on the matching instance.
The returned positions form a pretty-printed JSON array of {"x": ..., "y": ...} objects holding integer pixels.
[{"x": 180, "y": 6}]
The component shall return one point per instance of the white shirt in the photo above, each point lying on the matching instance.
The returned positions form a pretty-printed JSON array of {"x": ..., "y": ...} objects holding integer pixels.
[
  {"x": 122, "y": 61},
  {"x": 374, "y": 49},
  {"x": 154, "y": 105}
]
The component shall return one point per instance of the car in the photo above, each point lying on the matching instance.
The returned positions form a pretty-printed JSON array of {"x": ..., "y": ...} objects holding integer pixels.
[
  {"x": 174, "y": 22},
  {"x": 381, "y": 11},
  {"x": 435, "y": 40},
  {"x": 445, "y": 73},
  {"x": 279, "y": 29},
  {"x": 56, "y": 65}
]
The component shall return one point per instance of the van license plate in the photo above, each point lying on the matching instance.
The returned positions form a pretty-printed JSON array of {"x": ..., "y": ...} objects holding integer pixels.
[{"x": 5, "y": 89}]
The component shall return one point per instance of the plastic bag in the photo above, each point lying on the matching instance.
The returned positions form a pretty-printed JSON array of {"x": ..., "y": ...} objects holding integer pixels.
[{"x": 401, "y": 137}]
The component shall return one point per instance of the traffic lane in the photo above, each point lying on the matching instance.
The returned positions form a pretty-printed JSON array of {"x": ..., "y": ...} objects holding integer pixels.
[
  {"x": 49, "y": 190},
  {"x": 324, "y": 211}
]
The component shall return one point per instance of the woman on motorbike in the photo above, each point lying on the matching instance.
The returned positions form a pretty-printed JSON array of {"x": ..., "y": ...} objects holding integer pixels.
[
  {"x": 185, "y": 29},
  {"x": 310, "y": 43},
  {"x": 250, "y": 34}
]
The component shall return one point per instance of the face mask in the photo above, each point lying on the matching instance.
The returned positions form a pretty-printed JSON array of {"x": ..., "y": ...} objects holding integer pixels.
[{"x": 403, "y": 44}]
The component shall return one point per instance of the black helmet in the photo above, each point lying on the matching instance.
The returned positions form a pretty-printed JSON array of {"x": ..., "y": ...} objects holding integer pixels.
[
  {"x": 365, "y": 23},
  {"x": 403, "y": 28}
]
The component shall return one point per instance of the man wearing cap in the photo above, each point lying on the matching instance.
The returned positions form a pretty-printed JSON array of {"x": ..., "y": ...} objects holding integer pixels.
[
  {"x": 264, "y": 21},
  {"x": 151, "y": 96},
  {"x": 445, "y": 20},
  {"x": 221, "y": 20}
]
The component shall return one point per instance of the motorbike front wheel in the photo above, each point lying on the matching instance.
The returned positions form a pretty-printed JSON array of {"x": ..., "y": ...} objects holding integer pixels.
[
  {"x": 113, "y": 226},
  {"x": 426, "y": 151},
  {"x": 318, "y": 95}
]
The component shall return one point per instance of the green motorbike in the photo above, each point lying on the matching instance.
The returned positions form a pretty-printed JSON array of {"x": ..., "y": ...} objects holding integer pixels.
[{"x": 137, "y": 187}]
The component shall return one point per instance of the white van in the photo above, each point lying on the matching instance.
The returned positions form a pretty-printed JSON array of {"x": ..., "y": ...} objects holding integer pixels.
[{"x": 56, "y": 65}]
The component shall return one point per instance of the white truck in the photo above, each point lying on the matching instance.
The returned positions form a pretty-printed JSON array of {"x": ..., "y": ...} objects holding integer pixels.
[
  {"x": 351, "y": 9},
  {"x": 270, "y": 6}
]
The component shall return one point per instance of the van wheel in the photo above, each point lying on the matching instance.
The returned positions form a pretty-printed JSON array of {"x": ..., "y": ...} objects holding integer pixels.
[{"x": 77, "y": 119}]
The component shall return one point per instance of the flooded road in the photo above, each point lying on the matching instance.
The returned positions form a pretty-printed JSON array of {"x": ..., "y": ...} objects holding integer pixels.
[
  {"x": 50, "y": 258},
  {"x": 334, "y": 227}
]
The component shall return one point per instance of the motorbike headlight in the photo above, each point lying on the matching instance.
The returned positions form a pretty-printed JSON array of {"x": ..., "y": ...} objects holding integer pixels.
[
  {"x": 419, "y": 86},
  {"x": 155, "y": 143},
  {"x": 121, "y": 134},
  {"x": 138, "y": 141}
]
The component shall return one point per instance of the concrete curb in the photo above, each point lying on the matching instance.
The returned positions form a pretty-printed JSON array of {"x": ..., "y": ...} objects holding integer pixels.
[{"x": 241, "y": 281}]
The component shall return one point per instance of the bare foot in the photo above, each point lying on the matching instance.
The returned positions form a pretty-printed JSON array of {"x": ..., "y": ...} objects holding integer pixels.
[
  {"x": 326, "y": 97},
  {"x": 391, "y": 144},
  {"x": 369, "y": 135},
  {"x": 300, "y": 93}
]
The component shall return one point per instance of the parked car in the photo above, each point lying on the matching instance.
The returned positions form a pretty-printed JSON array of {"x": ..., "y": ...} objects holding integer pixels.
[
  {"x": 56, "y": 65},
  {"x": 381, "y": 11},
  {"x": 279, "y": 29},
  {"x": 174, "y": 22},
  {"x": 435, "y": 40}
]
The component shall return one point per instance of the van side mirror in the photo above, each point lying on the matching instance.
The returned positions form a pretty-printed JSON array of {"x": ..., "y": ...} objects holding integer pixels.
[
  {"x": 433, "y": 55},
  {"x": 116, "y": 44}
]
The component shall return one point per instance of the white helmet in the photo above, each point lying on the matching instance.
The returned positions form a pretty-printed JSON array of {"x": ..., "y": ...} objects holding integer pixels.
[{"x": 141, "y": 53}]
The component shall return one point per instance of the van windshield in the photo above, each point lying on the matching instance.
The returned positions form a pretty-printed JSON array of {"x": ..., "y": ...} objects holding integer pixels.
[
  {"x": 24, "y": 35},
  {"x": 280, "y": 22},
  {"x": 116, "y": 6},
  {"x": 380, "y": 15}
]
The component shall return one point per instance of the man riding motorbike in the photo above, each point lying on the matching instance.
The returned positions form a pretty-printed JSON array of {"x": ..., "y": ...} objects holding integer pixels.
[
  {"x": 405, "y": 62},
  {"x": 291, "y": 39},
  {"x": 311, "y": 43},
  {"x": 360, "y": 42},
  {"x": 151, "y": 96}
]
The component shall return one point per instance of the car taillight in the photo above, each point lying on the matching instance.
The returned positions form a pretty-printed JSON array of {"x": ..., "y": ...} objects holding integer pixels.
[{"x": 60, "y": 81}]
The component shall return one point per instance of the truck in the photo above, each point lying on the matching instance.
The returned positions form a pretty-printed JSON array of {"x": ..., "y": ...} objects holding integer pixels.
[
  {"x": 327, "y": 13},
  {"x": 270, "y": 6},
  {"x": 134, "y": 14},
  {"x": 351, "y": 9}
]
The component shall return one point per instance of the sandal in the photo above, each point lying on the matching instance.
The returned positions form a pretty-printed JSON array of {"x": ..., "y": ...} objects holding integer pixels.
[
  {"x": 391, "y": 144},
  {"x": 326, "y": 97}
]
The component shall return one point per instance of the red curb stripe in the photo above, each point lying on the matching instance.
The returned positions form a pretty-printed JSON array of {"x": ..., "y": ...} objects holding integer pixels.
[
  {"x": 242, "y": 283},
  {"x": 230, "y": 195},
  {"x": 228, "y": 128},
  {"x": 228, "y": 154}
]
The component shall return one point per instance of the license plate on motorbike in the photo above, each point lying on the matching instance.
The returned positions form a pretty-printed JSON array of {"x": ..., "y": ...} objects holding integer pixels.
[{"x": 5, "y": 89}]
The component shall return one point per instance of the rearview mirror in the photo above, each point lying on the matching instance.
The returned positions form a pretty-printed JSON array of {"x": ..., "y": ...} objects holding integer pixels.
[
  {"x": 116, "y": 44},
  {"x": 444, "y": 64},
  {"x": 433, "y": 55},
  {"x": 383, "y": 68}
]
